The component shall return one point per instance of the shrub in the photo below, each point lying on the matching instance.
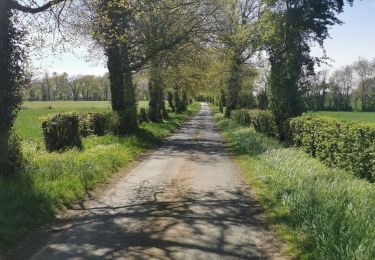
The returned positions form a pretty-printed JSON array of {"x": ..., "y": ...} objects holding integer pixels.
[
  {"x": 15, "y": 151},
  {"x": 144, "y": 115},
  {"x": 263, "y": 122},
  {"x": 61, "y": 132},
  {"x": 242, "y": 117},
  {"x": 94, "y": 123},
  {"x": 15, "y": 159},
  {"x": 347, "y": 145}
]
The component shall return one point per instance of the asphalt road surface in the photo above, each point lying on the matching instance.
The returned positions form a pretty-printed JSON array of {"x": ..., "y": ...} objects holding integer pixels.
[{"x": 186, "y": 200}]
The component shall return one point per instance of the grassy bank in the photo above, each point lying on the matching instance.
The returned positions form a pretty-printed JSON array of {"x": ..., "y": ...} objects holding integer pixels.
[
  {"x": 55, "y": 181},
  {"x": 323, "y": 213}
]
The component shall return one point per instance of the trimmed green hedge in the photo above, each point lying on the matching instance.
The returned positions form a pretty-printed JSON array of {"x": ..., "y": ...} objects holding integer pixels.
[
  {"x": 64, "y": 130},
  {"x": 347, "y": 145},
  {"x": 262, "y": 120},
  {"x": 61, "y": 131},
  {"x": 242, "y": 117},
  {"x": 337, "y": 143},
  {"x": 95, "y": 123}
]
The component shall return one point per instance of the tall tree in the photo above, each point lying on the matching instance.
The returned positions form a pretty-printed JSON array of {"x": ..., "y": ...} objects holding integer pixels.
[
  {"x": 236, "y": 32},
  {"x": 11, "y": 69},
  {"x": 177, "y": 24},
  {"x": 290, "y": 26},
  {"x": 133, "y": 34},
  {"x": 365, "y": 70}
]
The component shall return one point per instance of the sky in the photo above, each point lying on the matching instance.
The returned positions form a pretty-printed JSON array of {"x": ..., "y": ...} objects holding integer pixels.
[{"x": 354, "y": 39}]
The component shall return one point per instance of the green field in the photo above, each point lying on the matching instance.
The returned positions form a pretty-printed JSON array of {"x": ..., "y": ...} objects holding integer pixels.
[
  {"x": 349, "y": 116},
  {"x": 29, "y": 119}
]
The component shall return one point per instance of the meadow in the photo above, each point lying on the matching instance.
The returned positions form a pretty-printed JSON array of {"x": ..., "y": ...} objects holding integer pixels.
[
  {"x": 323, "y": 213},
  {"x": 349, "y": 116},
  {"x": 52, "y": 182}
]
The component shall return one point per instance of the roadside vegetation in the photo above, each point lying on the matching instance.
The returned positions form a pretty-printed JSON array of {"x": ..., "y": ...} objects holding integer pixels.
[
  {"x": 337, "y": 143},
  {"x": 52, "y": 182},
  {"x": 29, "y": 119},
  {"x": 323, "y": 213}
]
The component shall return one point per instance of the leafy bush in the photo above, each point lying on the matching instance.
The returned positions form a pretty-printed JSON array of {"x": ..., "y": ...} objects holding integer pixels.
[
  {"x": 61, "y": 132},
  {"x": 144, "y": 115},
  {"x": 263, "y": 122},
  {"x": 14, "y": 159},
  {"x": 242, "y": 117},
  {"x": 95, "y": 123},
  {"x": 347, "y": 145},
  {"x": 15, "y": 151}
]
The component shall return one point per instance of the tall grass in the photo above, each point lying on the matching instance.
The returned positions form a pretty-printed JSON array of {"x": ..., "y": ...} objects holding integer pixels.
[
  {"x": 54, "y": 181},
  {"x": 323, "y": 213}
]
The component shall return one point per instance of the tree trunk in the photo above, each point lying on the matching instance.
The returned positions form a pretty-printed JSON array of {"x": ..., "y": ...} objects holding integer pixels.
[
  {"x": 156, "y": 92},
  {"x": 170, "y": 102},
  {"x": 234, "y": 88},
  {"x": 122, "y": 89},
  {"x": 285, "y": 99},
  {"x": 9, "y": 98},
  {"x": 177, "y": 101},
  {"x": 222, "y": 101},
  {"x": 129, "y": 116}
]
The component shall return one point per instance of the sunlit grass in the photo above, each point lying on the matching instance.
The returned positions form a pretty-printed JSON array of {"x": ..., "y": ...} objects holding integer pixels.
[{"x": 323, "y": 213}]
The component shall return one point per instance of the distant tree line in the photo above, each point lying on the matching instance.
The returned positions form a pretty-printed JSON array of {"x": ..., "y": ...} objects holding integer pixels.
[
  {"x": 349, "y": 88},
  {"x": 60, "y": 87},
  {"x": 65, "y": 87}
]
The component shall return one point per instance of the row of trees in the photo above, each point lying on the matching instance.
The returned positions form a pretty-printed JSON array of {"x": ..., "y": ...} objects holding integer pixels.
[
  {"x": 64, "y": 87},
  {"x": 187, "y": 46},
  {"x": 349, "y": 88}
]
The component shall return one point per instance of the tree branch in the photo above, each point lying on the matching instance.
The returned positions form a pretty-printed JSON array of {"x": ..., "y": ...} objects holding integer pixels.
[{"x": 34, "y": 10}]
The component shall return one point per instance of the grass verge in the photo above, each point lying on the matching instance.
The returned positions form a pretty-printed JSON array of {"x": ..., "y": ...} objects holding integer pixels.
[
  {"x": 54, "y": 181},
  {"x": 322, "y": 213}
]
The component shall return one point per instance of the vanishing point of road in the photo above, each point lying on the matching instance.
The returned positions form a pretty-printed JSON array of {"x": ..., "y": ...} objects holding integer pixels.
[{"x": 185, "y": 200}]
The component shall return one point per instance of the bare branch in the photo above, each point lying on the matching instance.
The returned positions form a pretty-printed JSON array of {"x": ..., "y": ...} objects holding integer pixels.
[{"x": 34, "y": 10}]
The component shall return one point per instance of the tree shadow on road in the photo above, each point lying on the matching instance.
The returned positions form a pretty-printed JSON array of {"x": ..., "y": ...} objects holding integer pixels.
[{"x": 193, "y": 225}]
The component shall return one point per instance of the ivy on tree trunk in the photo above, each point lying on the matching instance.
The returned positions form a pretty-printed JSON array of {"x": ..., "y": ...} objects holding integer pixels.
[{"x": 10, "y": 71}]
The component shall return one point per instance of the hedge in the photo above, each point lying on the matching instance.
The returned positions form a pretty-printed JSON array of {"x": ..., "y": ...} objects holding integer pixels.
[
  {"x": 242, "y": 117},
  {"x": 262, "y": 120},
  {"x": 337, "y": 143},
  {"x": 95, "y": 123},
  {"x": 64, "y": 130},
  {"x": 61, "y": 131}
]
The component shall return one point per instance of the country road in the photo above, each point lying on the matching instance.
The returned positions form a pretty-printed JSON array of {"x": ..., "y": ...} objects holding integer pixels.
[{"x": 185, "y": 200}]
